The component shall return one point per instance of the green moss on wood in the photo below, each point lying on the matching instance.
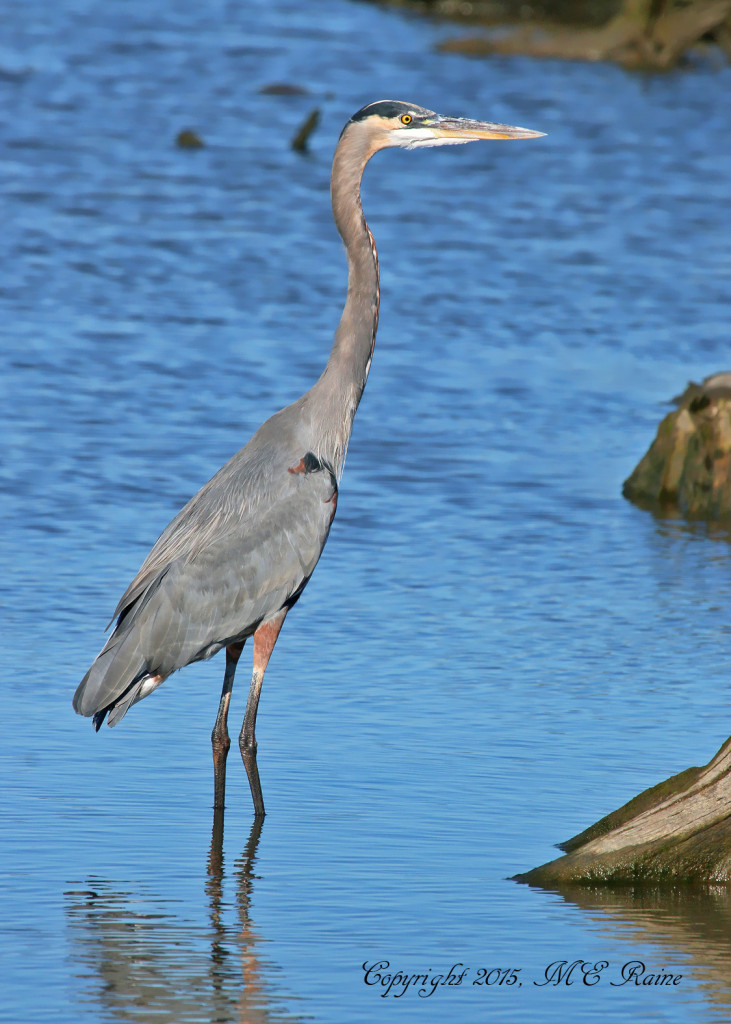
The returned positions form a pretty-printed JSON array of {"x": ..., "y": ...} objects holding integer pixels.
[
  {"x": 642, "y": 802},
  {"x": 703, "y": 858}
]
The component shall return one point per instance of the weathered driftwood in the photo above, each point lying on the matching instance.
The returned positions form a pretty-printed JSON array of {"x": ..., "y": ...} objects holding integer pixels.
[
  {"x": 678, "y": 831},
  {"x": 642, "y": 34},
  {"x": 688, "y": 465}
]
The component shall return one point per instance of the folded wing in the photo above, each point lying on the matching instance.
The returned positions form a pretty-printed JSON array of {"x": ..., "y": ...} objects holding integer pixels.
[{"x": 225, "y": 564}]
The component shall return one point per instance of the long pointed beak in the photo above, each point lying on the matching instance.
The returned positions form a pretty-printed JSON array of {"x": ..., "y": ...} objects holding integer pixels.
[{"x": 464, "y": 128}]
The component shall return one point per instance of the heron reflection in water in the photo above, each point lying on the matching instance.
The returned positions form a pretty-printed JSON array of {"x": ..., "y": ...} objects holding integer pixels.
[
  {"x": 237, "y": 557},
  {"x": 143, "y": 958}
]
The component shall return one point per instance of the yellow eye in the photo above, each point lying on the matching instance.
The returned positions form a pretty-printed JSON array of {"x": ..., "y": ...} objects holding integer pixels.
[{"x": 406, "y": 119}]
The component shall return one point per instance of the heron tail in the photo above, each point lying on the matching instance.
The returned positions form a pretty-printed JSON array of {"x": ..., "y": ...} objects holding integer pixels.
[{"x": 115, "y": 681}]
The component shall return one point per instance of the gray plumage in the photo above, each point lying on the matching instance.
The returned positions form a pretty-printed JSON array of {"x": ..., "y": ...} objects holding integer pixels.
[
  {"x": 243, "y": 547},
  {"x": 236, "y": 558}
]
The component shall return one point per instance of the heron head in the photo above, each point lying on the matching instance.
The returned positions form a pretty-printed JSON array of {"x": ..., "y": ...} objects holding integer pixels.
[{"x": 394, "y": 123}]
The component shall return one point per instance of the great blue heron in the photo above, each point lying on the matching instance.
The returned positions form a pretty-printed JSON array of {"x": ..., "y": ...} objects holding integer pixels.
[{"x": 237, "y": 557}]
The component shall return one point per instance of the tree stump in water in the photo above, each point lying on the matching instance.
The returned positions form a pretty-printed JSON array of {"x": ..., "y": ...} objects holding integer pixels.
[
  {"x": 678, "y": 831},
  {"x": 688, "y": 465},
  {"x": 644, "y": 34}
]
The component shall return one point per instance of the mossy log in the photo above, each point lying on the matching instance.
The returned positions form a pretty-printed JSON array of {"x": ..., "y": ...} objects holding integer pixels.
[
  {"x": 643, "y": 34},
  {"x": 677, "y": 832},
  {"x": 688, "y": 465}
]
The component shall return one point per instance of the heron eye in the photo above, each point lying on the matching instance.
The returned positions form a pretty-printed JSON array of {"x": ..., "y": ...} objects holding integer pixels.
[{"x": 406, "y": 119}]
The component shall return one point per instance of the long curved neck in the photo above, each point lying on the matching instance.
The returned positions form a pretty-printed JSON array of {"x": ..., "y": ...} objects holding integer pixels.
[
  {"x": 341, "y": 385},
  {"x": 356, "y": 333}
]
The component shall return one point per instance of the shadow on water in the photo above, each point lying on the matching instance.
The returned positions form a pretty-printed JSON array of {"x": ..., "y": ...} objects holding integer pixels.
[
  {"x": 691, "y": 927},
  {"x": 145, "y": 960}
]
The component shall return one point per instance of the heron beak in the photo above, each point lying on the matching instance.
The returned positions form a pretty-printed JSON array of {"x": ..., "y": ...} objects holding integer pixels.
[{"x": 464, "y": 129}]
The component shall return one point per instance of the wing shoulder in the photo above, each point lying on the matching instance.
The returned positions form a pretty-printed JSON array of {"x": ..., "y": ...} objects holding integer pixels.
[{"x": 270, "y": 496}]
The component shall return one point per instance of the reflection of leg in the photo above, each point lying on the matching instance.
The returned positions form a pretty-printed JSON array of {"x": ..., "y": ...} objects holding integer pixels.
[
  {"x": 264, "y": 641},
  {"x": 220, "y": 741},
  {"x": 246, "y": 876}
]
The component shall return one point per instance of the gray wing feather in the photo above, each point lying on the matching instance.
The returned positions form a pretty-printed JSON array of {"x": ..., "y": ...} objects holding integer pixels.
[
  {"x": 237, "y": 491},
  {"x": 225, "y": 563}
]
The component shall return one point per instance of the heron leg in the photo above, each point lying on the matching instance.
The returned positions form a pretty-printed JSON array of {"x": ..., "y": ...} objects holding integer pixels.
[
  {"x": 220, "y": 741},
  {"x": 264, "y": 640}
]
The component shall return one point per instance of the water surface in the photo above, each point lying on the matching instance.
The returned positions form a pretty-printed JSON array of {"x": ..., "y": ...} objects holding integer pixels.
[{"x": 495, "y": 650}]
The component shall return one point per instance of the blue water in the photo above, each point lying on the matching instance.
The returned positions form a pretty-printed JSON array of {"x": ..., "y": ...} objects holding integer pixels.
[{"x": 495, "y": 650}]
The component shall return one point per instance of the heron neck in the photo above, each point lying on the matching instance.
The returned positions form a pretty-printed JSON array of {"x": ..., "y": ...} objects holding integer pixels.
[{"x": 345, "y": 375}]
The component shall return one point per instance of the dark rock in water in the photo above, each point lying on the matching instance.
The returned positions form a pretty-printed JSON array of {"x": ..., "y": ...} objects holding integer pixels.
[
  {"x": 188, "y": 139},
  {"x": 688, "y": 465},
  {"x": 282, "y": 89},
  {"x": 677, "y": 832}
]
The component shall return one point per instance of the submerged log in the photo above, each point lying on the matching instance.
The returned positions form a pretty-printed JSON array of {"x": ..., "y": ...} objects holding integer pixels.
[
  {"x": 688, "y": 465},
  {"x": 677, "y": 831},
  {"x": 188, "y": 139},
  {"x": 299, "y": 142}
]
